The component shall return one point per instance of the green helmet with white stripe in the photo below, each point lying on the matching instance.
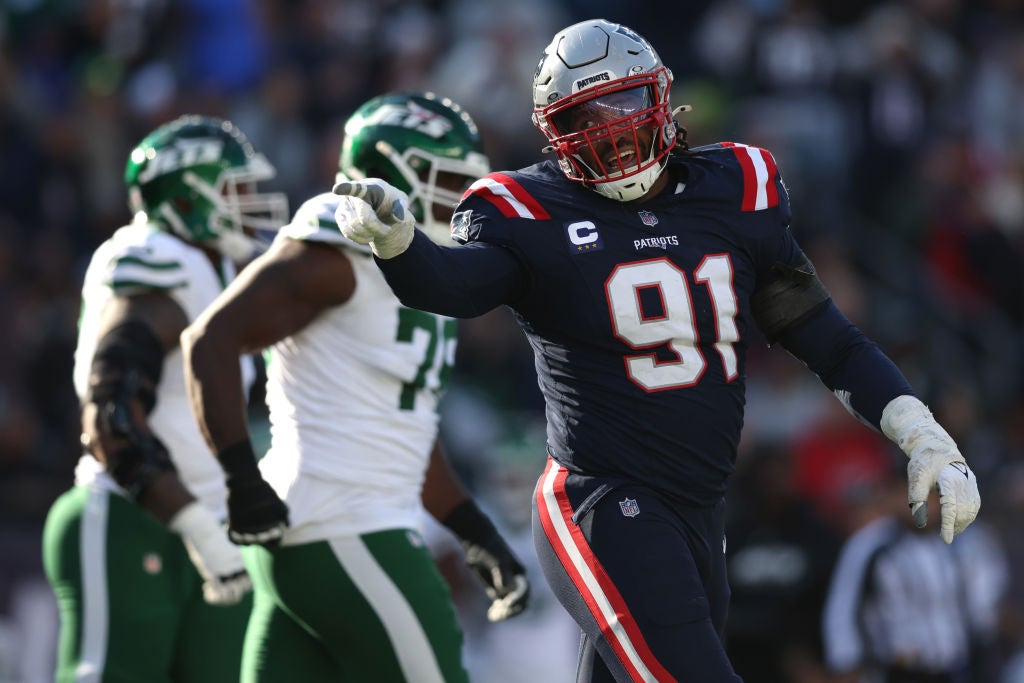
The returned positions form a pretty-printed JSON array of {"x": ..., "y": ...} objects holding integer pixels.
[
  {"x": 196, "y": 178},
  {"x": 425, "y": 145}
]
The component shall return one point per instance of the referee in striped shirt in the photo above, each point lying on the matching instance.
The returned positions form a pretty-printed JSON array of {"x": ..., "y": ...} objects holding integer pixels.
[{"x": 897, "y": 608}]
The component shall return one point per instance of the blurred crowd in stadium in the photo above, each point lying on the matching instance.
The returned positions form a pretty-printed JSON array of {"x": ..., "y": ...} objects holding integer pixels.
[{"x": 897, "y": 125}]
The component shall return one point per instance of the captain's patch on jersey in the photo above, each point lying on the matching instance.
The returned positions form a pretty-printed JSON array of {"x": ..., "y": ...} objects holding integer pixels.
[{"x": 583, "y": 236}]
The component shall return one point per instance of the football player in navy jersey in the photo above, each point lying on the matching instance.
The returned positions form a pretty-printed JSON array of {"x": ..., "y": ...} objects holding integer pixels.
[{"x": 637, "y": 268}]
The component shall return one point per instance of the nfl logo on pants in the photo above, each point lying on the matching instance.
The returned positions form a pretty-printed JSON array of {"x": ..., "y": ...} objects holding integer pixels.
[{"x": 629, "y": 507}]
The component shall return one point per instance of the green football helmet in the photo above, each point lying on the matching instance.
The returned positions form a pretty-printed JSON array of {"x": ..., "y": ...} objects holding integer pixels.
[
  {"x": 196, "y": 178},
  {"x": 424, "y": 145}
]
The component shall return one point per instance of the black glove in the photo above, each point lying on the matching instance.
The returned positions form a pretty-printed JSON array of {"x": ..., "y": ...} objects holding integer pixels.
[
  {"x": 120, "y": 438},
  {"x": 256, "y": 515},
  {"x": 490, "y": 558}
]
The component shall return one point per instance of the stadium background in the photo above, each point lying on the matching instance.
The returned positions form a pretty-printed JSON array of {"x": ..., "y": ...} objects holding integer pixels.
[{"x": 899, "y": 128}]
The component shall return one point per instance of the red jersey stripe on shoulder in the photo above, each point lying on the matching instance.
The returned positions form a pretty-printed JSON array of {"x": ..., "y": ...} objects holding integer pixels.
[
  {"x": 759, "y": 171},
  {"x": 771, "y": 191},
  {"x": 509, "y": 196}
]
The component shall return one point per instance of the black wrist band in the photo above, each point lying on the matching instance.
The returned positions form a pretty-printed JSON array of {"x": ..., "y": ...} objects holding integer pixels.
[
  {"x": 469, "y": 523},
  {"x": 239, "y": 461}
]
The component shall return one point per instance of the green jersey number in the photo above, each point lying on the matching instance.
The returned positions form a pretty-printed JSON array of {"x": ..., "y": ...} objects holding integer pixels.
[{"x": 438, "y": 356}]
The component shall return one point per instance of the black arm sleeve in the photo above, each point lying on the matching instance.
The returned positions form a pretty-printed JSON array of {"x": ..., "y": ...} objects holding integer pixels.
[
  {"x": 131, "y": 349},
  {"x": 848, "y": 363},
  {"x": 460, "y": 282}
]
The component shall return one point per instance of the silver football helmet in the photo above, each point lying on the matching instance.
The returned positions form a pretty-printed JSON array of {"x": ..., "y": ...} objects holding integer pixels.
[{"x": 601, "y": 97}]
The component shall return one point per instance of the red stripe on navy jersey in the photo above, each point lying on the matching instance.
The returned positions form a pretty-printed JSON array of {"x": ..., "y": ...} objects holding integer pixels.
[
  {"x": 523, "y": 196},
  {"x": 749, "y": 176},
  {"x": 607, "y": 587},
  {"x": 500, "y": 201},
  {"x": 509, "y": 196},
  {"x": 770, "y": 189},
  {"x": 753, "y": 183}
]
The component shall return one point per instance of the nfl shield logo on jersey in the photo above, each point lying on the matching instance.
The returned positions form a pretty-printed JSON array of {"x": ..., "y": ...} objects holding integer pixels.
[
  {"x": 648, "y": 218},
  {"x": 629, "y": 507}
]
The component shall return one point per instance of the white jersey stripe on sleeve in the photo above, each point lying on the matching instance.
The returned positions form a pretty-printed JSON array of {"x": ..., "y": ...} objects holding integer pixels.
[
  {"x": 500, "y": 196},
  {"x": 761, "y": 170}
]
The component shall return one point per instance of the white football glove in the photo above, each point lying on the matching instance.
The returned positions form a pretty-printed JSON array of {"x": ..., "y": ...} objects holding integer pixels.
[
  {"x": 219, "y": 561},
  {"x": 375, "y": 213},
  {"x": 935, "y": 462},
  {"x": 511, "y": 603}
]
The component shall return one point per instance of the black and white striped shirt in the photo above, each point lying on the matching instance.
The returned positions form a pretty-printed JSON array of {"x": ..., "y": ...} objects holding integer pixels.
[{"x": 896, "y": 596}]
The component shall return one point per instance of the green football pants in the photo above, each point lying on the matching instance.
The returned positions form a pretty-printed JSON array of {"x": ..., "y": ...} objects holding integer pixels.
[
  {"x": 130, "y": 600},
  {"x": 366, "y": 609}
]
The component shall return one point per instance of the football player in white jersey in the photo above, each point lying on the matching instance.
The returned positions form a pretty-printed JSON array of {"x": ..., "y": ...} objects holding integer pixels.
[
  {"x": 349, "y": 592},
  {"x": 149, "y": 586}
]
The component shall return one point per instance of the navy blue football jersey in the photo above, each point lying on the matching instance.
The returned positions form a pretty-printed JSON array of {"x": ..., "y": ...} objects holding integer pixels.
[{"x": 639, "y": 314}]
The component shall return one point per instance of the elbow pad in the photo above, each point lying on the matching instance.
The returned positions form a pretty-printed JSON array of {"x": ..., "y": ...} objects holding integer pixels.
[{"x": 792, "y": 296}]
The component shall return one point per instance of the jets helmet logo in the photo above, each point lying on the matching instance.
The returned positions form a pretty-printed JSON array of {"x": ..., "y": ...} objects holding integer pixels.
[
  {"x": 413, "y": 116},
  {"x": 183, "y": 154}
]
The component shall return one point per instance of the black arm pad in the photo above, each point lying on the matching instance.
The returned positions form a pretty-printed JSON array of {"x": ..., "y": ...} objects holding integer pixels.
[
  {"x": 130, "y": 349},
  {"x": 791, "y": 297}
]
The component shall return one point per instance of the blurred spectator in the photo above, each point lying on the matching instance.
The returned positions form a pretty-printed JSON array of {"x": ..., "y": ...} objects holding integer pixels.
[
  {"x": 835, "y": 461},
  {"x": 781, "y": 554}
]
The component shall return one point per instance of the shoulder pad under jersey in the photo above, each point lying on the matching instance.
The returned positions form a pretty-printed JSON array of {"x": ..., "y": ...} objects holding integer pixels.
[
  {"x": 488, "y": 203},
  {"x": 314, "y": 222},
  {"x": 751, "y": 176},
  {"x": 142, "y": 257}
]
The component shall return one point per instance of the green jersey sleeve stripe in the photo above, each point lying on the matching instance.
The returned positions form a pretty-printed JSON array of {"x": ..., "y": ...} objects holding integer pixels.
[
  {"x": 328, "y": 224},
  {"x": 123, "y": 285},
  {"x": 161, "y": 278},
  {"x": 155, "y": 265}
]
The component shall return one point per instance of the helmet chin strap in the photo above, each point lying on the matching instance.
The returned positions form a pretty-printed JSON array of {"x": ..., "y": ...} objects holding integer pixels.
[{"x": 635, "y": 186}]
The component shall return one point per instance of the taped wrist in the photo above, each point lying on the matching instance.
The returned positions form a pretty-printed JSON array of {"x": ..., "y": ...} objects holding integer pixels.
[
  {"x": 792, "y": 296},
  {"x": 908, "y": 423},
  {"x": 395, "y": 242},
  {"x": 127, "y": 363},
  {"x": 470, "y": 524},
  {"x": 195, "y": 522},
  {"x": 239, "y": 462}
]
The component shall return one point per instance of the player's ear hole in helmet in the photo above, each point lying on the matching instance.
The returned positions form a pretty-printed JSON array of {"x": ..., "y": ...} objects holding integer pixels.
[
  {"x": 425, "y": 145},
  {"x": 197, "y": 177},
  {"x": 601, "y": 98}
]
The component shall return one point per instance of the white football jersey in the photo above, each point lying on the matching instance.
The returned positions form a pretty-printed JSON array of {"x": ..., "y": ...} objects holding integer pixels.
[
  {"x": 353, "y": 400},
  {"x": 141, "y": 258}
]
